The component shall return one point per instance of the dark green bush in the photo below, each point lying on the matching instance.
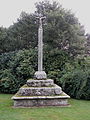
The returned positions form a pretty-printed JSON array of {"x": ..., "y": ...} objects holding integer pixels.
[
  {"x": 8, "y": 82},
  {"x": 55, "y": 60},
  {"x": 77, "y": 84},
  {"x": 74, "y": 76},
  {"x": 15, "y": 69}
]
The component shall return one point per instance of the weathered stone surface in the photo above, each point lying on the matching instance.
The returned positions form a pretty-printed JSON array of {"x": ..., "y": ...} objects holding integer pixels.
[
  {"x": 36, "y": 101},
  {"x": 40, "y": 75},
  {"x": 40, "y": 83},
  {"x": 40, "y": 91}
]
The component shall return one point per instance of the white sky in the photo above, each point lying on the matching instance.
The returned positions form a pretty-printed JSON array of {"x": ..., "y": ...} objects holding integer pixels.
[{"x": 10, "y": 10}]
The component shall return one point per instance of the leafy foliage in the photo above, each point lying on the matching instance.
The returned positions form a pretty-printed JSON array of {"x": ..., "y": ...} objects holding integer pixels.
[
  {"x": 87, "y": 45},
  {"x": 15, "y": 69},
  {"x": 62, "y": 30},
  {"x": 74, "y": 77},
  {"x": 8, "y": 82},
  {"x": 3, "y": 39},
  {"x": 77, "y": 84}
]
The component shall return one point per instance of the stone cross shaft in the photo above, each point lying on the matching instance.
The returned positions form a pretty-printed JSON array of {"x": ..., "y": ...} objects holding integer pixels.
[
  {"x": 40, "y": 44},
  {"x": 40, "y": 74}
]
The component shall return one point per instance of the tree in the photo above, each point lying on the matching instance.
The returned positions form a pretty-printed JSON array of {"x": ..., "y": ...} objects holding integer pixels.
[
  {"x": 88, "y": 44},
  {"x": 23, "y": 33},
  {"x": 62, "y": 30},
  {"x": 3, "y": 40}
]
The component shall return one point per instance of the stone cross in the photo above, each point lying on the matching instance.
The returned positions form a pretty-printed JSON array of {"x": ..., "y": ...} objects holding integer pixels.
[
  {"x": 40, "y": 74},
  {"x": 40, "y": 45}
]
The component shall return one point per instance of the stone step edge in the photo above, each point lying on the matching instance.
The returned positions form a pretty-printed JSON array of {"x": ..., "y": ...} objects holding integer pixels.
[
  {"x": 38, "y": 83},
  {"x": 27, "y": 87},
  {"x": 64, "y": 96},
  {"x": 35, "y": 80}
]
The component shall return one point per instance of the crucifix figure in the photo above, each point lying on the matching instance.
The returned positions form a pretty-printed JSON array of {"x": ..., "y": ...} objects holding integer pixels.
[{"x": 40, "y": 74}]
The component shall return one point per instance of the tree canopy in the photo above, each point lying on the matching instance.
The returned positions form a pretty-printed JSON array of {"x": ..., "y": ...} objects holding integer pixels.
[{"x": 62, "y": 30}]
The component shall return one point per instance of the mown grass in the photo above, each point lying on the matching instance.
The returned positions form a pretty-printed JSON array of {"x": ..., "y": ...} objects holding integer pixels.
[{"x": 79, "y": 110}]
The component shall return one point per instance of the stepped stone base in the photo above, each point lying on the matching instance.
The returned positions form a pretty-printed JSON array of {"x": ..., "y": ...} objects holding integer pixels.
[
  {"x": 36, "y": 93},
  {"x": 37, "y": 101}
]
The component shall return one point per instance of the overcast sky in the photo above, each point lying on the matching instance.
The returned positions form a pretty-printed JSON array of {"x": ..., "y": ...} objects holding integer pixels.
[{"x": 10, "y": 10}]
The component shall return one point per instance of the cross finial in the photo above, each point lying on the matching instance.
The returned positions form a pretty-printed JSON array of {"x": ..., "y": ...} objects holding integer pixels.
[{"x": 41, "y": 17}]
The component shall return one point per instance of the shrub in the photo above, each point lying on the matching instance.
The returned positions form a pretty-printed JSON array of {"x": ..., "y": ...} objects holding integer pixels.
[
  {"x": 16, "y": 68},
  {"x": 77, "y": 84},
  {"x": 24, "y": 64},
  {"x": 74, "y": 77},
  {"x": 8, "y": 82},
  {"x": 54, "y": 60}
]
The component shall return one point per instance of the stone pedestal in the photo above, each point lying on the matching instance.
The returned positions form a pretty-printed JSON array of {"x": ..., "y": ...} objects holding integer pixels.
[
  {"x": 40, "y": 75},
  {"x": 36, "y": 93}
]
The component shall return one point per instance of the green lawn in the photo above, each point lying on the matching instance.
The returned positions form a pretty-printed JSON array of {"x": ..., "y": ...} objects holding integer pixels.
[{"x": 79, "y": 110}]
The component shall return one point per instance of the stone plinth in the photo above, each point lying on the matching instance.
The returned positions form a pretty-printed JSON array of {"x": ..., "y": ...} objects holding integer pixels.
[
  {"x": 40, "y": 93},
  {"x": 40, "y": 75},
  {"x": 40, "y": 83},
  {"x": 37, "y": 101}
]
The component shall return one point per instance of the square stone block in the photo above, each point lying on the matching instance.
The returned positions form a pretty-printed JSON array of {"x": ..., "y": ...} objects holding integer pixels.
[
  {"x": 40, "y": 83},
  {"x": 40, "y": 91},
  {"x": 37, "y": 101},
  {"x": 39, "y": 75}
]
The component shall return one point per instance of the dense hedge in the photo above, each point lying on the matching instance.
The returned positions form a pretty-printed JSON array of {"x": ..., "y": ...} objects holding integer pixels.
[
  {"x": 77, "y": 84},
  {"x": 74, "y": 77},
  {"x": 16, "y": 67}
]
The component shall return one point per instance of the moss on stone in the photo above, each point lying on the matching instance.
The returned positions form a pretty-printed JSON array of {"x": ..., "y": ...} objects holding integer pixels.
[
  {"x": 26, "y": 86},
  {"x": 62, "y": 94}
]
